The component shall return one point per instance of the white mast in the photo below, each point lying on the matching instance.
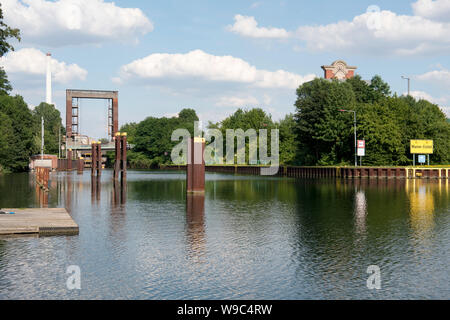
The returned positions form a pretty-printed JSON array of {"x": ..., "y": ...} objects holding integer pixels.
[
  {"x": 42, "y": 137},
  {"x": 48, "y": 98}
]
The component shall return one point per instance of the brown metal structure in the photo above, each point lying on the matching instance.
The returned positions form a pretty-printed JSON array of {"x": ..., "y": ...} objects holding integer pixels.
[
  {"x": 72, "y": 109},
  {"x": 96, "y": 160},
  {"x": 195, "y": 172}
]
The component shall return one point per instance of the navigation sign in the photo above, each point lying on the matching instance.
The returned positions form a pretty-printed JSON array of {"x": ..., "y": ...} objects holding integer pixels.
[
  {"x": 421, "y": 147},
  {"x": 422, "y": 158},
  {"x": 361, "y": 152}
]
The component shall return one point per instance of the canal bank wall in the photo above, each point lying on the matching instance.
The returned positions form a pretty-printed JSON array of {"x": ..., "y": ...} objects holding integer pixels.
[{"x": 335, "y": 172}]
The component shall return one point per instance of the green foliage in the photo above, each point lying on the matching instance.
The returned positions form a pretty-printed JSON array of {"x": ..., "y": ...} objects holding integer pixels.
[
  {"x": 19, "y": 130},
  {"x": 387, "y": 123},
  {"x": 52, "y": 125},
  {"x": 6, "y": 32},
  {"x": 255, "y": 118},
  {"x": 152, "y": 138},
  {"x": 382, "y": 134},
  {"x": 324, "y": 133},
  {"x": 130, "y": 129},
  {"x": 288, "y": 143},
  {"x": 6, "y": 138},
  {"x": 5, "y": 85},
  {"x": 369, "y": 91}
]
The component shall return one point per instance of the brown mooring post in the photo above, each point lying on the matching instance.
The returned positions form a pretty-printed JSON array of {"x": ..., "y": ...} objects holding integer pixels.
[
  {"x": 99, "y": 158},
  {"x": 93, "y": 158},
  {"x": 69, "y": 159},
  {"x": 123, "y": 146},
  {"x": 80, "y": 165},
  {"x": 195, "y": 169},
  {"x": 118, "y": 155},
  {"x": 120, "y": 164}
]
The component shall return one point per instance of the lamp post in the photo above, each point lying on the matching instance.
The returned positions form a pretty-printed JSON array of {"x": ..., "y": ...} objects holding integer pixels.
[
  {"x": 354, "y": 125},
  {"x": 42, "y": 137},
  {"x": 409, "y": 80}
]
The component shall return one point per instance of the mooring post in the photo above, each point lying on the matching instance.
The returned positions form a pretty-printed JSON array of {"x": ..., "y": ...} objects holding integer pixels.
[
  {"x": 123, "y": 151},
  {"x": 99, "y": 158},
  {"x": 80, "y": 165},
  {"x": 117, "y": 161},
  {"x": 93, "y": 157},
  {"x": 195, "y": 169},
  {"x": 69, "y": 159}
]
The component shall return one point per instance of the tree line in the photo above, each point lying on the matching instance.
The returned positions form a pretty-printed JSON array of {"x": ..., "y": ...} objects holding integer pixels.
[
  {"x": 20, "y": 127},
  {"x": 318, "y": 132}
]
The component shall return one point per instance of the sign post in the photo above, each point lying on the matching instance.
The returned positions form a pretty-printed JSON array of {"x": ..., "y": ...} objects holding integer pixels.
[
  {"x": 421, "y": 147},
  {"x": 361, "y": 150}
]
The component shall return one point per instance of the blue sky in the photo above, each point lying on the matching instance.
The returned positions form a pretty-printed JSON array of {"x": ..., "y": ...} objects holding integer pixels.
[{"x": 217, "y": 56}]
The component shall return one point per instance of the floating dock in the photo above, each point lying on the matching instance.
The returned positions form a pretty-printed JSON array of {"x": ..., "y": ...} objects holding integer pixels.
[{"x": 41, "y": 221}]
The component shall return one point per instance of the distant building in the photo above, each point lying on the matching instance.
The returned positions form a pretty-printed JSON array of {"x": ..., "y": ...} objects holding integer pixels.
[{"x": 339, "y": 70}]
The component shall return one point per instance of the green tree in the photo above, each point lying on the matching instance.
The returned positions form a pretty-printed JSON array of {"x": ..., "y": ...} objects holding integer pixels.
[
  {"x": 369, "y": 91},
  {"x": 377, "y": 125},
  {"x": 288, "y": 143},
  {"x": 255, "y": 118},
  {"x": 152, "y": 138},
  {"x": 187, "y": 115},
  {"x": 6, "y": 33},
  {"x": 380, "y": 89},
  {"x": 22, "y": 140},
  {"x": 5, "y": 85},
  {"x": 130, "y": 129},
  {"x": 52, "y": 125},
  {"x": 325, "y": 135},
  {"x": 6, "y": 138}
]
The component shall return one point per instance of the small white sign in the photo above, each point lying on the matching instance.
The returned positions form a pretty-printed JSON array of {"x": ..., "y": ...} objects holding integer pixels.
[
  {"x": 361, "y": 151},
  {"x": 46, "y": 163}
]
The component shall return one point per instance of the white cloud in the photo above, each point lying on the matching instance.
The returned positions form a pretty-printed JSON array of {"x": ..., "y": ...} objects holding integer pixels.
[
  {"x": 30, "y": 61},
  {"x": 379, "y": 32},
  {"x": 442, "y": 102},
  {"x": 435, "y": 10},
  {"x": 256, "y": 4},
  {"x": 200, "y": 65},
  {"x": 66, "y": 22},
  {"x": 440, "y": 76},
  {"x": 248, "y": 27},
  {"x": 425, "y": 96},
  {"x": 373, "y": 32},
  {"x": 230, "y": 101}
]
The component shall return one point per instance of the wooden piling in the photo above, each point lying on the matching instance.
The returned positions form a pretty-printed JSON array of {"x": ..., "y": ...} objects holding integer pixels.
[{"x": 195, "y": 173}]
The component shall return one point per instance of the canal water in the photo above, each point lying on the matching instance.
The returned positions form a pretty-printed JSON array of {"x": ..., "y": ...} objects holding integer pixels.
[{"x": 249, "y": 237}]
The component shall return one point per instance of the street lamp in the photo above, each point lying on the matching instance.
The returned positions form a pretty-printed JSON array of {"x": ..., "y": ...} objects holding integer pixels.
[
  {"x": 354, "y": 124},
  {"x": 405, "y": 78}
]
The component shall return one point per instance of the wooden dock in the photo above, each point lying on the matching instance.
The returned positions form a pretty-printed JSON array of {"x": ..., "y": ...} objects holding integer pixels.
[{"x": 41, "y": 221}]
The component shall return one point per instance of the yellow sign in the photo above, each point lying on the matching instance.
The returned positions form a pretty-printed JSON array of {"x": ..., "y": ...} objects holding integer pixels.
[
  {"x": 421, "y": 146},
  {"x": 199, "y": 140}
]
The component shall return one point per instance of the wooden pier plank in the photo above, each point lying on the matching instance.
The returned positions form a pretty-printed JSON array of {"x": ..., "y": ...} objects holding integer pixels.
[{"x": 37, "y": 220}]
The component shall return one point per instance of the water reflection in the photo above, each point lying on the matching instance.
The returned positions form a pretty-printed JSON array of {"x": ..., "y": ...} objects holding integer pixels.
[
  {"x": 195, "y": 222},
  {"x": 422, "y": 206},
  {"x": 96, "y": 189},
  {"x": 119, "y": 194},
  {"x": 360, "y": 211},
  {"x": 41, "y": 197}
]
